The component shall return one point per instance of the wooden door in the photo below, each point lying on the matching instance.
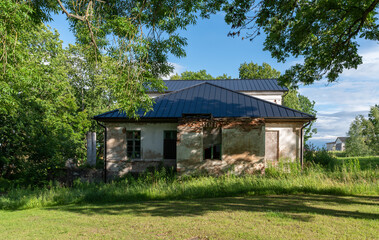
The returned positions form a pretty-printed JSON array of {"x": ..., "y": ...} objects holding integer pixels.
[{"x": 272, "y": 145}]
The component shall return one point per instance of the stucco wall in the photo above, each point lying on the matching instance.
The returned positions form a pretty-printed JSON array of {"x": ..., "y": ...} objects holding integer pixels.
[
  {"x": 289, "y": 138},
  {"x": 151, "y": 147},
  {"x": 242, "y": 146}
]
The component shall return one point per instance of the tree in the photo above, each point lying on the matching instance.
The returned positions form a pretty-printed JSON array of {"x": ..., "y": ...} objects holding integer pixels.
[
  {"x": 144, "y": 33},
  {"x": 254, "y": 71},
  {"x": 200, "y": 75},
  {"x": 373, "y": 129},
  {"x": 356, "y": 144},
  {"x": 364, "y": 134},
  {"x": 324, "y": 32},
  {"x": 291, "y": 99},
  {"x": 41, "y": 126}
]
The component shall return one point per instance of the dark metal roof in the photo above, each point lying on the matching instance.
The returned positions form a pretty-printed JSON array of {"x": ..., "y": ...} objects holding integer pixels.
[
  {"x": 207, "y": 98},
  {"x": 343, "y": 139},
  {"x": 232, "y": 84}
]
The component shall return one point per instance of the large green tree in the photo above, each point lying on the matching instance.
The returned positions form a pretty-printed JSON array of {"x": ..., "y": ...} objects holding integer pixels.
[
  {"x": 323, "y": 32},
  {"x": 41, "y": 126},
  {"x": 255, "y": 71},
  {"x": 139, "y": 35},
  {"x": 364, "y": 134},
  {"x": 292, "y": 99}
]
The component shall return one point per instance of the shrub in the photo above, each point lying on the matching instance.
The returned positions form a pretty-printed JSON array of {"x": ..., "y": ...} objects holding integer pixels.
[{"x": 319, "y": 156}]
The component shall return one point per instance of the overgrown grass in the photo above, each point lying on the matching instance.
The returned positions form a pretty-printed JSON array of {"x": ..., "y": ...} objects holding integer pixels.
[
  {"x": 370, "y": 162},
  {"x": 283, "y": 179}
]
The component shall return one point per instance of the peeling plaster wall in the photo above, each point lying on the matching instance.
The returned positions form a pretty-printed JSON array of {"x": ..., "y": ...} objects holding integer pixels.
[
  {"x": 151, "y": 147},
  {"x": 242, "y": 146},
  {"x": 289, "y": 138}
]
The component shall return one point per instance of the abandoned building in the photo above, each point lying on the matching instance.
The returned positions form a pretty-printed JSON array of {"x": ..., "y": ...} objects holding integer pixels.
[
  {"x": 337, "y": 145},
  {"x": 215, "y": 126}
]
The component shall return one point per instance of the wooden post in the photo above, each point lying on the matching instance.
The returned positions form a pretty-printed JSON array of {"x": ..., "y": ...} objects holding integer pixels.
[{"x": 91, "y": 148}]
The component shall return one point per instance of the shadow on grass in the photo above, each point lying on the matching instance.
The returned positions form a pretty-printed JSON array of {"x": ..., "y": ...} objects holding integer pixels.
[{"x": 296, "y": 207}]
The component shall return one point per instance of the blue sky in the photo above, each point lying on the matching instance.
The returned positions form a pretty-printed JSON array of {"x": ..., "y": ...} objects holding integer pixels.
[{"x": 209, "y": 48}]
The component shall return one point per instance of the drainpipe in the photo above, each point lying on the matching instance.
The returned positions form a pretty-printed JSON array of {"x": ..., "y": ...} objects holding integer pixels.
[
  {"x": 105, "y": 151},
  {"x": 302, "y": 144}
]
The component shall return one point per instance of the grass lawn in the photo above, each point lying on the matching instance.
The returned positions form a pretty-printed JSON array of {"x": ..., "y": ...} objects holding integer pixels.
[{"x": 249, "y": 217}]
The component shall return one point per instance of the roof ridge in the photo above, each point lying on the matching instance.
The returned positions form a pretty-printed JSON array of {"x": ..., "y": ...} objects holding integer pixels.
[
  {"x": 275, "y": 104},
  {"x": 117, "y": 109},
  {"x": 219, "y": 79},
  {"x": 165, "y": 97},
  {"x": 169, "y": 93}
]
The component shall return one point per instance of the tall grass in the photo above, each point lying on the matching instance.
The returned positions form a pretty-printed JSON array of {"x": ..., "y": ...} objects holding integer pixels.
[{"x": 287, "y": 178}]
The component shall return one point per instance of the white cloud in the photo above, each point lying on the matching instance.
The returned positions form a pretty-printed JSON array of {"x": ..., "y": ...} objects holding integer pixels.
[
  {"x": 178, "y": 69},
  {"x": 338, "y": 103},
  {"x": 333, "y": 125}
]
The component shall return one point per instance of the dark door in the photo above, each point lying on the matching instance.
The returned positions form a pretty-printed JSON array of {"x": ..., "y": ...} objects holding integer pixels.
[{"x": 169, "y": 145}]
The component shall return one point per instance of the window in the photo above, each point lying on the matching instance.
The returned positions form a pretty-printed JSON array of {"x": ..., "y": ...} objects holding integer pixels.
[
  {"x": 212, "y": 143},
  {"x": 133, "y": 144},
  {"x": 169, "y": 145}
]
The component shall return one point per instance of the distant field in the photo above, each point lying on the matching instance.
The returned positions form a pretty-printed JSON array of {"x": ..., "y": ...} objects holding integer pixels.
[
  {"x": 249, "y": 217},
  {"x": 364, "y": 162}
]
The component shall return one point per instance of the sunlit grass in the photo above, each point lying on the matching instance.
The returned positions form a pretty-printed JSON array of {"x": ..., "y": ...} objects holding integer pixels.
[{"x": 284, "y": 179}]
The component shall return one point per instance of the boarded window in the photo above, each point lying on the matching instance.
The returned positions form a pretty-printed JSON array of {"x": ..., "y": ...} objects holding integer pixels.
[
  {"x": 212, "y": 143},
  {"x": 272, "y": 145},
  {"x": 169, "y": 145},
  {"x": 133, "y": 144}
]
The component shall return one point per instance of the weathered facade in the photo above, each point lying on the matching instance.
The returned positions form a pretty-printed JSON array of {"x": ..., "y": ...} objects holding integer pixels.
[
  {"x": 337, "y": 145},
  {"x": 204, "y": 129}
]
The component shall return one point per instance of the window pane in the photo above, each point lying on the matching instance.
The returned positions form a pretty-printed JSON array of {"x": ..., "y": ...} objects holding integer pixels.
[
  {"x": 169, "y": 135},
  {"x": 129, "y": 134},
  {"x": 137, "y": 135},
  {"x": 212, "y": 143}
]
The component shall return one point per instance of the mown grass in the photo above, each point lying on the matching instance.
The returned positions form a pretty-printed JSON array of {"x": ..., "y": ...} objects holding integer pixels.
[
  {"x": 347, "y": 179},
  {"x": 249, "y": 217}
]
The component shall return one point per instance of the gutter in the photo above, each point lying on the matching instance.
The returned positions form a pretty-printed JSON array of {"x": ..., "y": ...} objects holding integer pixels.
[
  {"x": 302, "y": 144},
  {"x": 105, "y": 151}
]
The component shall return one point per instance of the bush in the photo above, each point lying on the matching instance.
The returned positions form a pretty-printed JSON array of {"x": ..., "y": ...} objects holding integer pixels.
[{"x": 319, "y": 156}]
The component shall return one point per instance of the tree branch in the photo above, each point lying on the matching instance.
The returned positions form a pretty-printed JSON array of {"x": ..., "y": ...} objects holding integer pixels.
[
  {"x": 83, "y": 18},
  {"x": 69, "y": 14}
]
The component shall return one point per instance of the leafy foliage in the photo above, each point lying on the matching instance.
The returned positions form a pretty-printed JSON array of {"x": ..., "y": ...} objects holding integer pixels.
[
  {"x": 143, "y": 34},
  {"x": 323, "y": 32},
  {"x": 200, "y": 75},
  {"x": 254, "y": 71},
  {"x": 40, "y": 127},
  {"x": 364, "y": 135},
  {"x": 293, "y": 99}
]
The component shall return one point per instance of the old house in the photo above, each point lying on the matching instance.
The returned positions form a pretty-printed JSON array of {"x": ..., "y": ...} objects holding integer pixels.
[
  {"x": 337, "y": 145},
  {"x": 211, "y": 126}
]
